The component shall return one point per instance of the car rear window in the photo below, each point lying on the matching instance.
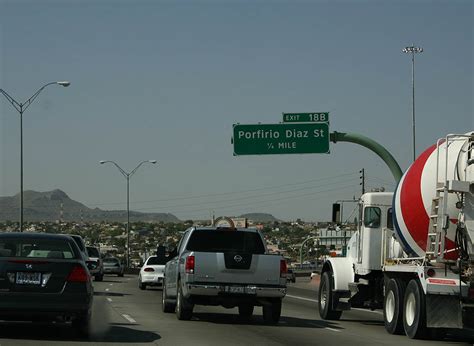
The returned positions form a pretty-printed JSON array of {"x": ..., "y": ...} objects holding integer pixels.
[
  {"x": 226, "y": 241},
  {"x": 93, "y": 252},
  {"x": 79, "y": 242},
  {"x": 36, "y": 248},
  {"x": 156, "y": 261},
  {"x": 111, "y": 260}
]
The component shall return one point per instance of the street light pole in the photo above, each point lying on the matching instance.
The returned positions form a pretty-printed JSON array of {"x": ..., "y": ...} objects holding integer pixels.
[
  {"x": 413, "y": 50},
  {"x": 301, "y": 249},
  {"x": 127, "y": 177},
  {"x": 21, "y": 107}
]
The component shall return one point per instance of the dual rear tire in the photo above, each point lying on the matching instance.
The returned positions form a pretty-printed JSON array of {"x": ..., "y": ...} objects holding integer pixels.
[
  {"x": 393, "y": 306},
  {"x": 414, "y": 311},
  {"x": 405, "y": 309}
]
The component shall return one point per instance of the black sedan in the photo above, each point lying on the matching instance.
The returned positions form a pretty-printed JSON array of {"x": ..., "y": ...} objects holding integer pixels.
[{"x": 44, "y": 277}]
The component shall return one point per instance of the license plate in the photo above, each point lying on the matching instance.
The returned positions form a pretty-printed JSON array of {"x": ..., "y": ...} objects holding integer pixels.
[
  {"x": 28, "y": 278},
  {"x": 235, "y": 289}
]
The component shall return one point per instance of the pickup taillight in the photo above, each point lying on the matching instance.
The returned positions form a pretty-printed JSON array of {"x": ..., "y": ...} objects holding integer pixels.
[
  {"x": 283, "y": 268},
  {"x": 189, "y": 266}
]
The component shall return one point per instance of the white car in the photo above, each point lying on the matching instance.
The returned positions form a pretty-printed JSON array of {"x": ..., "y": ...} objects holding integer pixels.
[{"x": 152, "y": 272}]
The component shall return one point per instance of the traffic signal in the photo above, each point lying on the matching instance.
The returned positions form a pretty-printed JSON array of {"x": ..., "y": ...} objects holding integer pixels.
[
  {"x": 336, "y": 213},
  {"x": 362, "y": 178}
]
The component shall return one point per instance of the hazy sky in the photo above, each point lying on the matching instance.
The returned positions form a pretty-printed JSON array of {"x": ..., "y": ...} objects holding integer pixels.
[{"x": 166, "y": 80}]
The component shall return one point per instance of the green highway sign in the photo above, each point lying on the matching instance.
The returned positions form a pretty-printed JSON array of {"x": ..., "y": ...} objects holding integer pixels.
[
  {"x": 318, "y": 117},
  {"x": 268, "y": 139}
]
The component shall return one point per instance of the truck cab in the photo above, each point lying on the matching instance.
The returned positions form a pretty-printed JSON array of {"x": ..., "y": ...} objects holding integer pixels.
[{"x": 375, "y": 217}]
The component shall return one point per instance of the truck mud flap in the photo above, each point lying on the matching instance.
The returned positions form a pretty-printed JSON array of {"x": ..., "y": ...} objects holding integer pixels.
[
  {"x": 443, "y": 311},
  {"x": 340, "y": 300}
]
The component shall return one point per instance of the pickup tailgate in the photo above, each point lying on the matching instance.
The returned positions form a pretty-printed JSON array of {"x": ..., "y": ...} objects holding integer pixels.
[{"x": 237, "y": 268}]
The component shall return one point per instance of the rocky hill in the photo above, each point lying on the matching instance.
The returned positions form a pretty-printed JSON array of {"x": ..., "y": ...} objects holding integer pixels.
[
  {"x": 46, "y": 206},
  {"x": 260, "y": 217}
]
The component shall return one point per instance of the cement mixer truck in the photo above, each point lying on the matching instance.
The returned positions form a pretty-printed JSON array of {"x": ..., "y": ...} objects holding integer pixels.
[{"x": 413, "y": 252}]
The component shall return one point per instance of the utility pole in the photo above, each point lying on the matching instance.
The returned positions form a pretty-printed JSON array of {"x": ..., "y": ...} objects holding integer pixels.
[{"x": 362, "y": 177}]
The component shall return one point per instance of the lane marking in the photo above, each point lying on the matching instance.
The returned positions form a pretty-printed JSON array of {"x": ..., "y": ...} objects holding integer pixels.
[
  {"x": 315, "y": 301},
  {"x": 106, "y": 289},
  {"x": 129, "y": 319},
  {"x": 110, "y": 300},
  {"x": 111, "y": 284},
  {"x": 334, "y": 330},
  {"x": 307, "y": 299}
]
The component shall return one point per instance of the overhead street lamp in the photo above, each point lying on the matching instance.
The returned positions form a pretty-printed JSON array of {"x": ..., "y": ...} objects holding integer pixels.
[
  {"x": 21, "y": 107},
  {"x": 413, "y": 50},
  {"x": 127, "y": 177},
  {"x": 301, "y": 247}
]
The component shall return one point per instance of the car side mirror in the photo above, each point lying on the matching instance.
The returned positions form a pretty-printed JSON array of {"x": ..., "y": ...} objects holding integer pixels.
[{"x": 91, "y": 265}]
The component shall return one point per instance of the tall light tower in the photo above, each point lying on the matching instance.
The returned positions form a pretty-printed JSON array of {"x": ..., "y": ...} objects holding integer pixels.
[
  {"x": 21, "y": 108},
  {"x": 413, "y": 50}
]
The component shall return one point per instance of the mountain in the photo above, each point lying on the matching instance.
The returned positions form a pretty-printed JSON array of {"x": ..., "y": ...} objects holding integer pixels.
[
  {"x": 260, "y": 217},
  {"x": 46, "y": 206}
]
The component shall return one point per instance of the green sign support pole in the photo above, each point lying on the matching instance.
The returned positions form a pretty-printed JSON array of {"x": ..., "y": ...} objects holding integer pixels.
[{"x": 372, "y": 145}]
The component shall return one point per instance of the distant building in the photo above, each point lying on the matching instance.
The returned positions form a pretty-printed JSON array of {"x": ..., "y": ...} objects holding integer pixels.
[{"x": 334, "y": 238}]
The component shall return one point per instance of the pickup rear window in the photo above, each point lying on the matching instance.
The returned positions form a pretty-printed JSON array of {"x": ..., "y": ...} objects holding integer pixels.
[
  {"x": 226, "y": 241},
  {"x": 93, "y": 252}
]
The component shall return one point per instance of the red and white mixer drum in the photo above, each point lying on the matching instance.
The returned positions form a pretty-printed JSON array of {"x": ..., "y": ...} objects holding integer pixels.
[{"x": 415, "y": 192}]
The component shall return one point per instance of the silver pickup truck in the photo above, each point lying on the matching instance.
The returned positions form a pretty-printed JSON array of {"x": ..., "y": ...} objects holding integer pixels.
[{"x": 228, "y": 267}]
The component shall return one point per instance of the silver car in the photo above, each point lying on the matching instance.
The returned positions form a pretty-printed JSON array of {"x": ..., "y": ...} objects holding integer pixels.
[
  {"x": 96, "y": 266},
  {"x": 113, "y": 265}
]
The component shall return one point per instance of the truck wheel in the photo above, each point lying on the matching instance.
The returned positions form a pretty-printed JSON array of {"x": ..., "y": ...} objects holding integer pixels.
[
  {"x": 246, "y": 311},
  {"x": 272, "y": 311},
  {"x": 184, "y": 309},
  {"x": 414, "y": 312},
  {"x": 325, "y": 301},
  {"x": 166, "y": 305},
  {"x": 393, "y": 306}
]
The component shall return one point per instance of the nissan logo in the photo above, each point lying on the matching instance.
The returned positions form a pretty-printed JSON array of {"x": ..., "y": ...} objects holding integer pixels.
[{"x": 238, "y": 258}]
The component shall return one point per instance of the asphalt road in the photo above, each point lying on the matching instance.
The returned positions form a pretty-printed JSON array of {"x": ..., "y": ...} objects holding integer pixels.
[{"x": 125, "y": 315}]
